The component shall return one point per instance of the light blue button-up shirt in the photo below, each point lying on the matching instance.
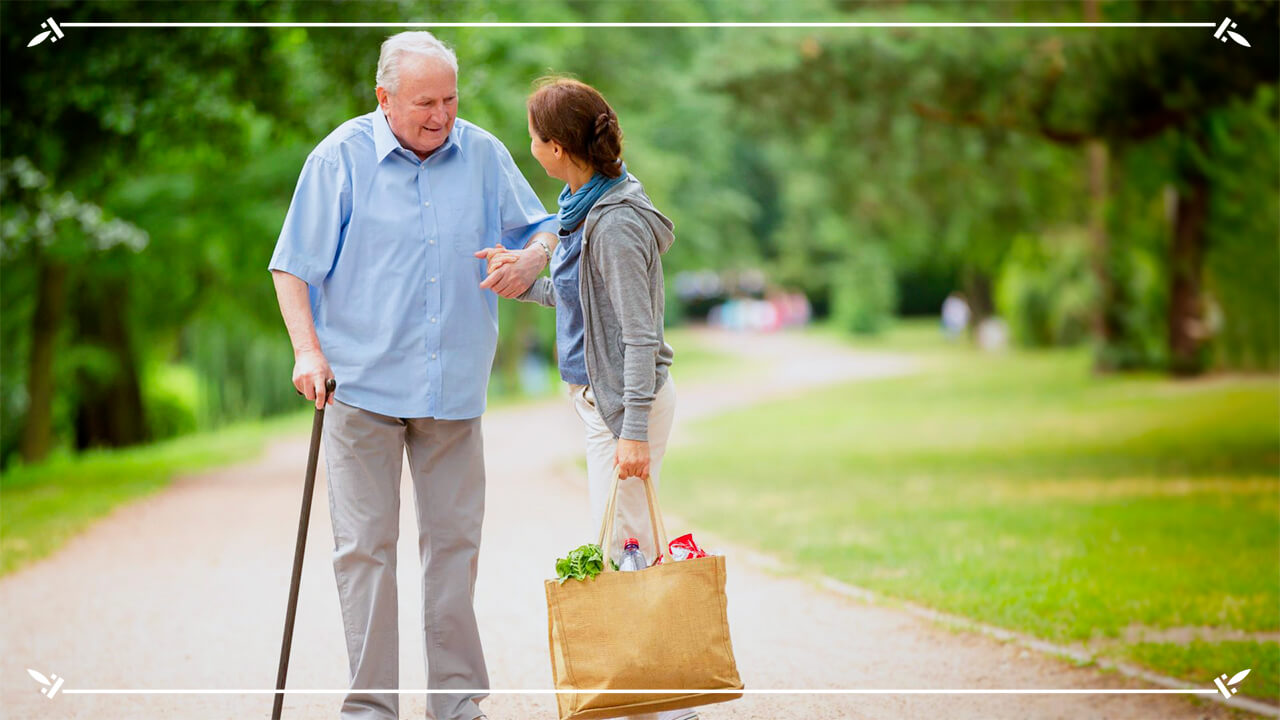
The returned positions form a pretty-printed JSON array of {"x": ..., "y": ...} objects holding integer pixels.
[{"x": 386, "y": 243}]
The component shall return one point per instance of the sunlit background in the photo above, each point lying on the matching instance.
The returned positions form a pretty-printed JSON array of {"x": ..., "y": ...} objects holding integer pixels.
[{"x": 1069, "y": 238}]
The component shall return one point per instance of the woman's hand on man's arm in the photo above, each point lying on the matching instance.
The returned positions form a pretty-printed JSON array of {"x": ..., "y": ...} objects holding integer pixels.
[
  {"x": 511, "y": 272},
  {"x": 496, "y": 257}
]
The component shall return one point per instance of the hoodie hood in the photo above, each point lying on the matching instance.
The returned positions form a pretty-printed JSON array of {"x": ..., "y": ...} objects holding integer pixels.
[{"x": 631, "y": 193}]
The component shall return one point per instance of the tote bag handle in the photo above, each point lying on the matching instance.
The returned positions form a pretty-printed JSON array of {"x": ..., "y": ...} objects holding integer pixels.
[{"x": 655, "y": 518}]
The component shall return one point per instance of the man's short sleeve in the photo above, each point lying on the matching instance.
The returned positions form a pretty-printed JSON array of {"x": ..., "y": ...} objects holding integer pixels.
[
  {"x": 522, "y": 211},
  {"x": 320, "y": 210}
]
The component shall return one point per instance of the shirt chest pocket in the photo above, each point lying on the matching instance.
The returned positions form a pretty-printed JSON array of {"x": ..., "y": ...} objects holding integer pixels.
[
  {"x": 463, "y": 228},
  {"x": 567, "y": 288}
]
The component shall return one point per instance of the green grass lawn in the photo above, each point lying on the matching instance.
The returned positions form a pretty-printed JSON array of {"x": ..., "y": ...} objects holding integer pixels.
[
  {"x": 1136, "y": 515},
  {"x": 44, "y": 505}
]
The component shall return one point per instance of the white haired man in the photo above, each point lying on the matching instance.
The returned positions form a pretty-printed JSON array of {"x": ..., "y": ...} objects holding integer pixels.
[{"x": 377, "y": 280}]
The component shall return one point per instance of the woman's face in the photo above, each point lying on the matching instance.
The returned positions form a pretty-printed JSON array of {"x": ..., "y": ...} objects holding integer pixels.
[{"x": 549, "y": 154}]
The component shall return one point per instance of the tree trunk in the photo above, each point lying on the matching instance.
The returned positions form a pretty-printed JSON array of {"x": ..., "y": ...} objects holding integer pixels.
[
  {"x": 110, "y": 412},
  {"x": 37, "y": 432},
  {"x": 1105, "y": 329},
  {"x": 1186, "y": 268},
  {"x": 977, "y": 291},
  {"x": 1104, "y": 325}
]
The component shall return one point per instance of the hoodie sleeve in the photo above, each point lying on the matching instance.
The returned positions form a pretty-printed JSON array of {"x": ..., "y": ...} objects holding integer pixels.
[
  {"x": 540, "y": 292},
  {"x": 624, "y": 268}
]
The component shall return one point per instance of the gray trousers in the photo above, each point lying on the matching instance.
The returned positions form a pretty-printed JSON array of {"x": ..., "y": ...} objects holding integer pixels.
[{"x": 364, "y": 452}]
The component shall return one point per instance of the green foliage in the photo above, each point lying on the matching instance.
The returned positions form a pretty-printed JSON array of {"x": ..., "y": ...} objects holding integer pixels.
[
  {"x": 1243, "y": 282},
  {"x": 171, "y": 394},
  {"x": 856, "y": 158},
  {"x": 1045, "y": 290},
  {"x": 863, "y": 290},
  {"x": 858, "y": 165},
  {"x": 38, "y": 219},
  {"x": 583, "y": 563},
  {"x": 946, "y": 151},
  {"x": 128, "y": 112},
  {"x": 243, "y": 372}
]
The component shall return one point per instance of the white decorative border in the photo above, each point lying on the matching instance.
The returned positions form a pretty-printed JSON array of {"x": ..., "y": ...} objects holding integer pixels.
[{"x": 50, "y": 686}]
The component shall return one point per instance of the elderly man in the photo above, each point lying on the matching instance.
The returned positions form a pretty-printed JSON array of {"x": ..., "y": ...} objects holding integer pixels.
[{"x": 379, "y": 287}]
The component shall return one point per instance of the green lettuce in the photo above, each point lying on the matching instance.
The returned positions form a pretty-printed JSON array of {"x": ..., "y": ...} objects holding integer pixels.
[{"x": 582, "y": 563}]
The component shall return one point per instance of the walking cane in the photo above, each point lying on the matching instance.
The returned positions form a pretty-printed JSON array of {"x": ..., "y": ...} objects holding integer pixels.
[{"x": 308, "y": 489}]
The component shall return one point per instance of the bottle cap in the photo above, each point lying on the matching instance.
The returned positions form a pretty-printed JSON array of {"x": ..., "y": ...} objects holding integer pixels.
[{"x": 630, "y": 542}]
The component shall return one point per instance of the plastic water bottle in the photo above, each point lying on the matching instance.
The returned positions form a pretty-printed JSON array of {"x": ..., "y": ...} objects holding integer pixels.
[{"x": 632, "y": 558}]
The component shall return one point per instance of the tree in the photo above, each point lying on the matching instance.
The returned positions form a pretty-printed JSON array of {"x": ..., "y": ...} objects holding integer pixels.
[
  {"x": 1070, "y": 89},
  {"x": 1126, "y": 92},
  {"x": 95, "y": 114},
  {"x": 51, "y": 232}
]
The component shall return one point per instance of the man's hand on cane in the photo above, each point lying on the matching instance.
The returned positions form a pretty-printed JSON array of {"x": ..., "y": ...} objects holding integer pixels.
[{"x": 310, "y": 373}]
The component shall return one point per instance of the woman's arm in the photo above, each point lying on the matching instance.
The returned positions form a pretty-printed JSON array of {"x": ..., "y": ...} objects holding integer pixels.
[
  {"x": 624, "y": 262},
  {"x": 540, "y": 292}
]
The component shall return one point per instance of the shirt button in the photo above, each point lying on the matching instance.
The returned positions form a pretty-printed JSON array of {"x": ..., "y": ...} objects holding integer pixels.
[
  {"x": 433, "y": 356},
  {"x": 433, "y": 319},
  {"x": 431, "y": 242},
  {"x": 433, "y": 278},
  {"x": 426, "y": 204}
]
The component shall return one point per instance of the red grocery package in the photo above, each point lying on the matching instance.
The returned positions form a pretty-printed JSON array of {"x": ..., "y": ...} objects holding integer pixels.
[{"x": 683, "y": 548}]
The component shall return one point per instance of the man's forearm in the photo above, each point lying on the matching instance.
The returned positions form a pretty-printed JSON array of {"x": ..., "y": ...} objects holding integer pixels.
[{"x": 295, "y": 308}]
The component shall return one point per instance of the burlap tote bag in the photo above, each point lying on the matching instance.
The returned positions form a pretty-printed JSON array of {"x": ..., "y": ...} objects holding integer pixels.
[{"x": 662, "y": 628}]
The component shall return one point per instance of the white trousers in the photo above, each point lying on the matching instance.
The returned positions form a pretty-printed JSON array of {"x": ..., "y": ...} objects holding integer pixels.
[
  {"x": 602, "y": 446},
  {"x": 633, "y": 503}
]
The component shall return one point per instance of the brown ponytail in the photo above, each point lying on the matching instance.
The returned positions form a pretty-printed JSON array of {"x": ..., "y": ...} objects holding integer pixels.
[{"x": 578, "y": 117}]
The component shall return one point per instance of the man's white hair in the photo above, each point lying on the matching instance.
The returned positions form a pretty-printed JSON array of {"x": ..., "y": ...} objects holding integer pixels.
[{"x": 420, "y": 43}]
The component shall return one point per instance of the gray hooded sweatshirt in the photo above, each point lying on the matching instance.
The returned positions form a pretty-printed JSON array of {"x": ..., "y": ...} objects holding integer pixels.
[{"x": 620, "y": 274}]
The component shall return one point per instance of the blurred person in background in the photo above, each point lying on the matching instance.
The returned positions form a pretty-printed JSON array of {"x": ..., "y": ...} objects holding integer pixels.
[{"x": 955, "y": 315}]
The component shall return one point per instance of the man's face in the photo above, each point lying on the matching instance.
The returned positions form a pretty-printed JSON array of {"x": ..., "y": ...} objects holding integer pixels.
[{"x": 422, "y": 111}]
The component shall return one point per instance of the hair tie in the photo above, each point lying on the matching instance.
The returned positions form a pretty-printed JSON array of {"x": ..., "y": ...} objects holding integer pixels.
[{"x": 602, "y": 123}]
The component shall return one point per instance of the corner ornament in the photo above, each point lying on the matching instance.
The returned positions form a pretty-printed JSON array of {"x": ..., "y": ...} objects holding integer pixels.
[
  {"x": 1224, "y": 32},
  {"x": 52, "y": 33}
]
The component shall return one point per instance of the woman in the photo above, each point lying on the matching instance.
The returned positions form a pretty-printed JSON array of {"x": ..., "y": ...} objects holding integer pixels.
[{"x": 607, "y": 288}]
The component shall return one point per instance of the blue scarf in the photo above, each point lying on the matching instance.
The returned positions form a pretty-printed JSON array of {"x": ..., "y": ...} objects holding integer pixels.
[{"x": 574, "y": 205}]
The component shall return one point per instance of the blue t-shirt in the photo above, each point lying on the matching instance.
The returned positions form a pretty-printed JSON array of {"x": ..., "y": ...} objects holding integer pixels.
[{"x": 570, "y": 331}]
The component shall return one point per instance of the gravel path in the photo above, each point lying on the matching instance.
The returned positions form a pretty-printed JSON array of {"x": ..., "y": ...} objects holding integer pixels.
[{"x": 186, "y": 589}]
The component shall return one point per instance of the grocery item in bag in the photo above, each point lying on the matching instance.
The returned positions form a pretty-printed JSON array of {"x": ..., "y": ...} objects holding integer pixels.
[
  {"x": 684, "y": 548},
  {"x": 632, "y": 558}
]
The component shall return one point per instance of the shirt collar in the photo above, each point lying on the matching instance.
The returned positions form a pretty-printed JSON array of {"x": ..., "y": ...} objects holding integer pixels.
[{"x": 384, "y": 141}]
